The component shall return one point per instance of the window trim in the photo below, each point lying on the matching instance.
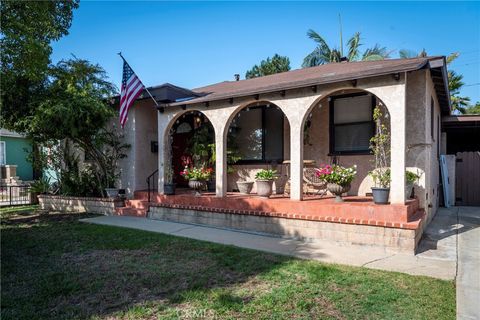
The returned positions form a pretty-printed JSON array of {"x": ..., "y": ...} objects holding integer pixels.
[
  {"x": 263, "y": 121},
  {"x": 332, "y": 125},
  {"x": 4, "y": 151}
]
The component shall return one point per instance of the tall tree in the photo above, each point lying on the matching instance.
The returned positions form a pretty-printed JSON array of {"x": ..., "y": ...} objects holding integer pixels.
[
  {"x": 276, "y": 64},
  {"x": 474, "y": 109},
  {"x": 28, "y": 28},
  {"x": 324, "y": 53},
  {"x": 455, "y": 83},
  {"x": 77, "y": 111}
]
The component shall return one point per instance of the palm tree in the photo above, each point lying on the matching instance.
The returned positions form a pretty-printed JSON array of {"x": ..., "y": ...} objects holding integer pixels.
[
  {"x": 455, "y": 83},
  {"x": 408, "y": 54},
  {"x": 323, "y": 53}
]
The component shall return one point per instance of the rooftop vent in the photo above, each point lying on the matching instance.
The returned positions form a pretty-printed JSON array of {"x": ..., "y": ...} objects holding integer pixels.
[
  {"x": 343, "y": 59},
  {"x": 236, "y": 76}
]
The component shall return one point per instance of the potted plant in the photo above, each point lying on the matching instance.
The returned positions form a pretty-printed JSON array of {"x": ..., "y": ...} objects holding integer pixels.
[
  {"x": 411, "y": 178},
  {"x": 111, "y": 190},
  {"x": 41, "y": 186},
  {"x": 197, "y": 177},
  {"x": 338, "y": 179},
  {"x": 169, "y": 186},
  {"x": 380, "y": 146},
  {"x": 245, "y": 187},
  {"x": 381, "y": 179},
  {"x": 264, "y": 179}
]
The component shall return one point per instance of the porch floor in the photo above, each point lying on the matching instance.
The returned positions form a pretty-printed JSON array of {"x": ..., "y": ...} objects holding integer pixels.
[{"x": 354, "y": 210}]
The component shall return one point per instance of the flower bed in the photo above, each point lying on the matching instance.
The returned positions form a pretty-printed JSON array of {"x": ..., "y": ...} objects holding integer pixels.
[{"x": 104, "y": 206}]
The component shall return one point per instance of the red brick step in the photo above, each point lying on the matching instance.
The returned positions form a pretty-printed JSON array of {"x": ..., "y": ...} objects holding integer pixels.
[{"x": 129, "y": 211}]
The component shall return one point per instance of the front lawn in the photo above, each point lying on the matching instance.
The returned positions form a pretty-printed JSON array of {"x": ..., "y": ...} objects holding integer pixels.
[{"x": 54, "y": 267}]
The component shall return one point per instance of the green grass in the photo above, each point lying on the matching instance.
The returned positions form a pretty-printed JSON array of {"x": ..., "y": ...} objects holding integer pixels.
[
  {"x": 6, "y": 212},
  {"x": 54, "y": 267}
]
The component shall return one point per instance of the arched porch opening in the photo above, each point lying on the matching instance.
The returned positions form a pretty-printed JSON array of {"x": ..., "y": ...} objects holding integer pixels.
[
  {"x": 190, "y": 142},
  {"x": 258, "y": 137},
  {"x": 338, "y": 129}
]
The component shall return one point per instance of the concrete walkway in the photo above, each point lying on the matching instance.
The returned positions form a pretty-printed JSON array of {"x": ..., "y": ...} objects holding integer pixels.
[{"x": 427, "y": 264}]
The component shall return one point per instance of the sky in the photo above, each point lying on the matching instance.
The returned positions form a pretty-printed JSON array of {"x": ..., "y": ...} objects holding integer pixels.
[{"x": 192, "y": 44}]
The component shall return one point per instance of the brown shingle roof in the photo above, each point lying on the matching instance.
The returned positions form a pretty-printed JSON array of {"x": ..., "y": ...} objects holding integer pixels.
[{"x": 328, "y": 73}]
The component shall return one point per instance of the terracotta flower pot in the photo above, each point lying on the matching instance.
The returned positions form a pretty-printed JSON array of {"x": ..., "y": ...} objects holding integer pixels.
[
  {"x": 338, "y": 190},
  {"x": 264, "y": 188}
]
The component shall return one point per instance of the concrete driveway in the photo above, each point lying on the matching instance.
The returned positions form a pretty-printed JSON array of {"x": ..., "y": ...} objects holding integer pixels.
[{"x": 454, "y": 235}]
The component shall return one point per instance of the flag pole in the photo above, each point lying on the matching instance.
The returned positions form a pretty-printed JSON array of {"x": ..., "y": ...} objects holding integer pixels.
[{"x": 146, "y": 89}]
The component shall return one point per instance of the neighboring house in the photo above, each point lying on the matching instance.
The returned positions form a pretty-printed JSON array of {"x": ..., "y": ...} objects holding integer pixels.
[{"x": 14, "y": 151}]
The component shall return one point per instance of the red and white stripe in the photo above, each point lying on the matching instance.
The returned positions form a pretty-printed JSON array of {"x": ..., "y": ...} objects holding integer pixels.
[{"x": 131, "y": 89}]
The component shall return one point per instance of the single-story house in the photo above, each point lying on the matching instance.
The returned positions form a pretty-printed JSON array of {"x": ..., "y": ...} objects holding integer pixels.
[{"x": 286, "y": 121}]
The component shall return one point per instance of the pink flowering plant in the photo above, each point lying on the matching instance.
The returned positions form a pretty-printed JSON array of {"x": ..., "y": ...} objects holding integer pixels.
[
  {"x": 194, "y": 173},
  {"x": 337, "y": 174}
]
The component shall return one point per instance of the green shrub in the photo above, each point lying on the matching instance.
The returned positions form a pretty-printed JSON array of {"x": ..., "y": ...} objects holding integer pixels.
[{"x": 265, "y": 174}]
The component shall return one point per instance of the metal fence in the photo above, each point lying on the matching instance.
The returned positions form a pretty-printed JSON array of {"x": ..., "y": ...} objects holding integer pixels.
[{"x": 15, "y": 195}]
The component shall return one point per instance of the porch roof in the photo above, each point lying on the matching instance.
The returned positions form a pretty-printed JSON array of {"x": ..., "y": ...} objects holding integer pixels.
[{"x": 328, "y": 73}]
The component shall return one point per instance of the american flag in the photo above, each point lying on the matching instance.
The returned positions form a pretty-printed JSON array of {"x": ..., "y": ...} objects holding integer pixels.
[{"x": 131, "y": 88}]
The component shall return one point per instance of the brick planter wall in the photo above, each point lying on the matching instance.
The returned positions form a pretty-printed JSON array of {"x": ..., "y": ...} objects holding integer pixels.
[
  {"x": 390, "y": 238},
  {"x": 104, "y": 206}
]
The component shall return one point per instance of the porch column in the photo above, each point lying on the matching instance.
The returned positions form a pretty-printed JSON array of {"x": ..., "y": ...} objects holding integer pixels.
[
  {"x": 296, "y": 160},
  {"x": 397, "y": 151},
  {"x": 162, "y": 126},
  {"x": 220, "y": 162}
]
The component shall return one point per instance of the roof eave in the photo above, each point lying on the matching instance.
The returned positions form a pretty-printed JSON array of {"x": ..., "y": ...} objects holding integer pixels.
[{"x": 286, "y": 87}]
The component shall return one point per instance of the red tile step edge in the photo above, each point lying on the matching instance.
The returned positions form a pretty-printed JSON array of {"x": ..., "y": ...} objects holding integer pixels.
[
  {"x": 136, "y": 208},
  {"x": 411, "y": 225}
]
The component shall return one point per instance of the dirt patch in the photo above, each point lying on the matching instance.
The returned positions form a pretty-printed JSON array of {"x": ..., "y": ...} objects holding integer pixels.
[
  {"x": 112, "y": 280},
  {"x": 326, "y": 307}
]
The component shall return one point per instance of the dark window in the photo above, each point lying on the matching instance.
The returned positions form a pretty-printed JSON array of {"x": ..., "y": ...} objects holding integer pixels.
[
  {"x": 257, "y": 133},
  {"x": 351, "y": 124},
  {"x": 432, "y": 118}
]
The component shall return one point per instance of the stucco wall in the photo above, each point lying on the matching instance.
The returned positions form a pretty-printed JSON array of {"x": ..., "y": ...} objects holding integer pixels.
[
  {"x": 128, "y": 164},
  {"x": 317, "y": 148},
  {"x": 146, "y": 131},
  {"x": 432, "y": 161},
  {"x": 140, "y": 129}
]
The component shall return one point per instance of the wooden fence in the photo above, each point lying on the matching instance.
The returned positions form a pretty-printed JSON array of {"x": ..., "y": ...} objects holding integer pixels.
[{"x": 467, "y": 186}]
